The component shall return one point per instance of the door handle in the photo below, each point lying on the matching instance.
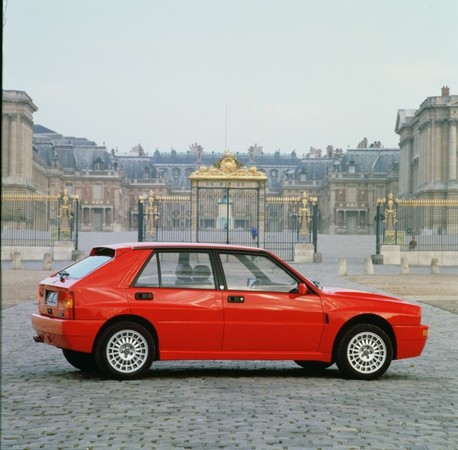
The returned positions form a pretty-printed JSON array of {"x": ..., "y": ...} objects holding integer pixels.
[
  {"x": 235, "y": 299},
  {"x": 143, "y": 296}
]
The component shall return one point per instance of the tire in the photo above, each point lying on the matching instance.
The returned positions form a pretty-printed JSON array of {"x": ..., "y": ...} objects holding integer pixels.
[
  {"x": 80, "y": 360},
  {"x": 364, "y": 352},
  {"x": 314, "y": 366},
  {"x": 124, "y": 351}
]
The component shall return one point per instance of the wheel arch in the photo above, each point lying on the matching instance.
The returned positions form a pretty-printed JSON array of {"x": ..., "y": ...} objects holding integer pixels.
[
  {"x": 131, "y": 318},
  {"x": 372, "y": 319}
]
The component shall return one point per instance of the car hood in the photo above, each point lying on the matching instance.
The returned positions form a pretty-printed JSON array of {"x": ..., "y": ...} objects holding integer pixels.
[
  {"x": 355, "y": 294},
  {"x": 347, "y": 301}
]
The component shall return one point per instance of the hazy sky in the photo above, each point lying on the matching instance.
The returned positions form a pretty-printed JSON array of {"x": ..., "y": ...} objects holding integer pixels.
[{"x": 287, "y": 74}]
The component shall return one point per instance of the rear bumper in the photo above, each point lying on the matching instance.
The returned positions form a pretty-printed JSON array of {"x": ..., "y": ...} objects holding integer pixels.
[
  {"x": 78, "y": 335},
  {"x": 410, "y": 340}
]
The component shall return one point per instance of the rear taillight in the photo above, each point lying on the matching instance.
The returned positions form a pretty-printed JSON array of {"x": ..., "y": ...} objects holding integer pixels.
[
  {"x": 65, "y": 305},
  {"x": 41, "y": 293}
]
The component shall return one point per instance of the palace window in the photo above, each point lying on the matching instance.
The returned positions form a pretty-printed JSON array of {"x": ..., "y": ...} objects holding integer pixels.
[
  {"x": 98, "y": 164},
  {"x": 97, "y": 191}
]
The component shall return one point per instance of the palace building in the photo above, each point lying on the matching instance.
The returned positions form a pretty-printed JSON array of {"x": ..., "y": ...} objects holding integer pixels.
[
  {"x": 346, "y": 184},
  {"x": 428, "y": 148},
  {"x": 54, "y": 186}
]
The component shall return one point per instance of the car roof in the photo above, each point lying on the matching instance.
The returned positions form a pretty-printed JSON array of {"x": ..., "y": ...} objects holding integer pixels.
[{"x": 177, "y": 245}]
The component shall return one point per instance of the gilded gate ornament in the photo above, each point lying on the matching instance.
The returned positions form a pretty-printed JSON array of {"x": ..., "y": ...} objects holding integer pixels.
[
  {"x": 390, "y": 221},
  {"x": 305, "y": 217},
  {"x": 152, "y": 216},
  {"x": 65, "y": 214},
  {"x": 228, "y": 167}
]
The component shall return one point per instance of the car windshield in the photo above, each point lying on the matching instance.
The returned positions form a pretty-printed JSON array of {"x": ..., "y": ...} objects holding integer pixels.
[{"x": 85, "y": 266}]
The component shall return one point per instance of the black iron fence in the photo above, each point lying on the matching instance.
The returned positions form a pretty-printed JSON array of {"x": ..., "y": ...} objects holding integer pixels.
[
  {"x": 164, "y": 218},
  {"x": 228, "y": 215},
  {"x": 282, "y": 224},
  {"x": 38, "y": 220},
  {"x": 428, "y": 225}
]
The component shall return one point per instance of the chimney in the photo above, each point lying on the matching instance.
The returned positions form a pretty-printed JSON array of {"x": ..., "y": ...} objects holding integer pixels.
[{"x": 445, "y": 91}]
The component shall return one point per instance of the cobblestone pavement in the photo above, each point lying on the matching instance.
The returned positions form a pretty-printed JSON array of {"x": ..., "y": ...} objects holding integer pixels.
[{"x": 47, "y": 404}]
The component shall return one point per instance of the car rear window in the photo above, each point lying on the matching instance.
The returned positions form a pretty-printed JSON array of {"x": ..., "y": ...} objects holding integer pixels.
[{"x": 86, "y": 265}]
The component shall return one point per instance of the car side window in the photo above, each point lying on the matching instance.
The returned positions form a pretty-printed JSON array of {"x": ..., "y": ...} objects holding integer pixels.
[
  {"x": 256, "y": 273},
  {"x": 149, "y": 276},
  {"x": 180, "y": 269}
]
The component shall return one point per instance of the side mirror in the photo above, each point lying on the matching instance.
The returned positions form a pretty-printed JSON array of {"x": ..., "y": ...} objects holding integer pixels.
[{"x": 302, "y": 289}]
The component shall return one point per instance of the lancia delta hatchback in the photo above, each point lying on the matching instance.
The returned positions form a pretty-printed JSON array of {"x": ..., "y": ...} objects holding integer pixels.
[{"x": 127, "y": 305}]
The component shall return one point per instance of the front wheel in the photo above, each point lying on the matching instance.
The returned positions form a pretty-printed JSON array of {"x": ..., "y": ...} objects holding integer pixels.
[
  {"x": 364, "y": 352},
  {"x": 124, "y": 350}
]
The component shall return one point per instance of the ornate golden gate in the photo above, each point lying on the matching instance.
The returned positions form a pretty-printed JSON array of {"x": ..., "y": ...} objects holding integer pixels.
[{"x": 228, "y": 204}]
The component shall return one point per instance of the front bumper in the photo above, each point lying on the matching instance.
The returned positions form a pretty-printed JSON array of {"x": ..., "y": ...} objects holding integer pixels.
[{"x": 410, "y": 340}]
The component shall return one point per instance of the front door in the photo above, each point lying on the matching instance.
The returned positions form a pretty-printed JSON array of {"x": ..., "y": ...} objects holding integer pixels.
[{"x": 263, "y": 311}]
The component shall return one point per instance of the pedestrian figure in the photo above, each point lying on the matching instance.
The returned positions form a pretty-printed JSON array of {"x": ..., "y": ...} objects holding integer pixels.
[
  {"x": 254, "y": 233},
  {"x": 412, "y": 244}
]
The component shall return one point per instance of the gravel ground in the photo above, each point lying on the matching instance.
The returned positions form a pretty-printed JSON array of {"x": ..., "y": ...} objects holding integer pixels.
[
  {"x": 435, "y": 290},
  {"x": 21, "y": 285},
  {"x": 440, "y": 290}
]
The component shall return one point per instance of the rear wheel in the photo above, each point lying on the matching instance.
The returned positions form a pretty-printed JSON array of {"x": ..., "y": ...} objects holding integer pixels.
[
  {"x": 364, "y": 352},
  {"x": 124, "y": 350},
  {"x": 80, "y": 360}
]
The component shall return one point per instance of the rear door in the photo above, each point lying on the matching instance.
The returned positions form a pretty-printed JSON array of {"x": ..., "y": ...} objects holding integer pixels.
[
  {"x": 263, "y": 310},
  {"x": 175, "y": 291}
]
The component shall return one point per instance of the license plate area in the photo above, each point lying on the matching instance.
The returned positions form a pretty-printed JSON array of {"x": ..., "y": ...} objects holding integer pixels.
[{"x": 51, "y": 298}]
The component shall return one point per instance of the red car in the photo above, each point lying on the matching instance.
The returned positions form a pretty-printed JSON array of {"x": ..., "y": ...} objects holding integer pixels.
[{"x": 127, "y": 305}]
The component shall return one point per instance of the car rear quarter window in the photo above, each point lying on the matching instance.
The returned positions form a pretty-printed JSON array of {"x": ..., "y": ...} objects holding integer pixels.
[{"x": 180, "y": 269}]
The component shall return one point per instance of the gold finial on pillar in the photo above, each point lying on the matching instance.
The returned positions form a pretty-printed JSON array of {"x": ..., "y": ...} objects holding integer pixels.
[
  {"x": 390, "y": 220},
  {"x": 64, "y": 218},
  {"x": 152, "y": 216},
  {"x": 304, "y": 217}
]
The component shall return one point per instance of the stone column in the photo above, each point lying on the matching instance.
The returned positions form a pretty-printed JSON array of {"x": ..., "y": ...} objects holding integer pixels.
[
  {"x": 420, "y": 157},
  {"x": 408, "y": 168},
  {"x": 426, "y": 153},
  {"x": 405, "y": 178},
  {"x": 423, "y": 159},
  {"x": 13, "y": 145},
  {"x": 438, "y": 152},
  {"x": 432, "y": 153},
  {"x": 452, "y": 151},
  {"x": 6, "y": 144},
  {"x": 402, "y": 167}
]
